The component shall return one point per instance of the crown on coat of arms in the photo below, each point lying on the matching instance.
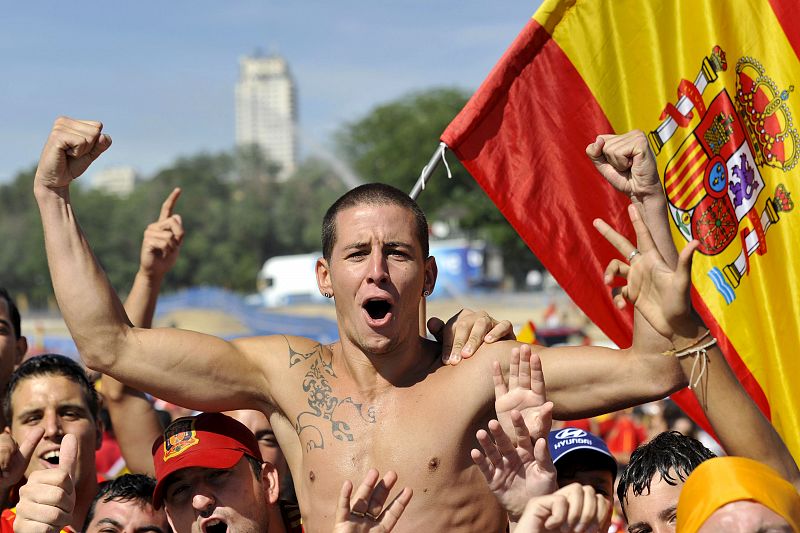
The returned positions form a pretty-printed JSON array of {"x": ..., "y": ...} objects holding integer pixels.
[
  {"x": 718, "y": 59},
  {"x": 766, "y": 116}
]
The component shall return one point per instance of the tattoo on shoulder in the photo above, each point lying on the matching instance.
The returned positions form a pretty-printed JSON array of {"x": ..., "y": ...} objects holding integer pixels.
[{"x": 322, "y": 401}]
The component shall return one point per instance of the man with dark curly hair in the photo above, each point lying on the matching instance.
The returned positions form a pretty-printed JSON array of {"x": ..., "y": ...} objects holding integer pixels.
[
  {"x": 649, "y": 486},
  {"x": 125, "y": 504}
]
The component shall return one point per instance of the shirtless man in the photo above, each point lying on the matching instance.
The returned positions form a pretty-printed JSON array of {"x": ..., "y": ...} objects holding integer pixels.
[{"x": 379, "y": 397}]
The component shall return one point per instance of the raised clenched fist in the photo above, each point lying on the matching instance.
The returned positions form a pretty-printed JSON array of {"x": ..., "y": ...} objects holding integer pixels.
[{"x": 70, "y": 149}]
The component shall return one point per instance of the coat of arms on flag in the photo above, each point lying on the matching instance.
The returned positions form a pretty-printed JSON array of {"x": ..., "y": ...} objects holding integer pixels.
[{"x": 713, "y": 181}]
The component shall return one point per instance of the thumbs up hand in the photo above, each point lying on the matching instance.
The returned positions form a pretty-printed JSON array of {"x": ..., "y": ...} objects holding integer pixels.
[{"x": 48, "y": 498}]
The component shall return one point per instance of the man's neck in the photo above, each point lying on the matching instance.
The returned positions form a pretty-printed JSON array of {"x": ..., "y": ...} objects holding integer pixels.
[
  {"x": 276, "y": 524},
  {"x": 403, "y": 365}
]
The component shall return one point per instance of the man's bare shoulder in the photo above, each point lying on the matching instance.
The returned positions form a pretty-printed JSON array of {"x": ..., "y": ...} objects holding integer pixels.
[
  {"x": 497, "y": 351},
  {"x": 500, "y": 351},
  {"x": 282, "y": 360},
  {"x": 273, "y": 355},
  {"x": 273, "y": 346}
]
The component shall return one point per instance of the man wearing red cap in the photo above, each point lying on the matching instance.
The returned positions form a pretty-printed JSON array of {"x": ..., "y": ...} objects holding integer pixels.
[
  {"x": 210, "y": 478},
  {"x": 209, "y": 473}
]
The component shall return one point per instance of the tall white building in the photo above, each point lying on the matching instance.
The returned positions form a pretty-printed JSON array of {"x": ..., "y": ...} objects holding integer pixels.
[
  {"x": 119, "y": 180},
  {"x": 266, "y": 109}
]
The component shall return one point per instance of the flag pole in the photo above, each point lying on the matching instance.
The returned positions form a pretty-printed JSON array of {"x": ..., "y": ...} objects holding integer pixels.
[
  {"x": 427, "y": 171},
  {"x": 424, "y": 176}
]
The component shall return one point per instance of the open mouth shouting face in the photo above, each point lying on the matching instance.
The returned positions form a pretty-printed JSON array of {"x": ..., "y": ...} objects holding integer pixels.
[
  {"x": 56, "y": 405},
  {"x": 376, "y": 274},
  {"x": 211, "y": 500}
]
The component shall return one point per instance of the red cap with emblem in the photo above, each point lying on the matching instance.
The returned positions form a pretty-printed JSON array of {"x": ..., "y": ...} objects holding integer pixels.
[{"x": 208, "y": 440}]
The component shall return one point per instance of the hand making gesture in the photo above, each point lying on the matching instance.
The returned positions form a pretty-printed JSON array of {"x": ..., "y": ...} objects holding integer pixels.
[
  {"x": 515, "y": 474},
  {"x": 659, "y": 293},
  {"x": 47, "y": 500},
  {"x": 525, "y": 393},
  {"x": 71, "y": 147},
  {"x": 367, "y": 514},
  {"x": 515, "y": 468},
  {"x": 15, "y": 457},
  {"x": 627, "y": 163},
  {"x": 162, "y": 240}
]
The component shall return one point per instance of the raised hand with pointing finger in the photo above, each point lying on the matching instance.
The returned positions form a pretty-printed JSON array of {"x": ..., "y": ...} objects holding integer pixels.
[
  {"x": 160, "y": 248},
  {"x": 162, "y": 240},
  {"x": 48, "y": 498}
]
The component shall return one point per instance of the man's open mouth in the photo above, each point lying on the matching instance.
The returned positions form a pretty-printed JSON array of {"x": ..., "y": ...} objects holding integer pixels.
[
  {"x": 51, "y": 457},
  {"x": 377, "y": 309},
  {"x": 216, "y": 526}
]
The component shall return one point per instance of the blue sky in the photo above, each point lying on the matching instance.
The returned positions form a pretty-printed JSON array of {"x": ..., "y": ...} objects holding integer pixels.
[{"x": 161, "y": 75}]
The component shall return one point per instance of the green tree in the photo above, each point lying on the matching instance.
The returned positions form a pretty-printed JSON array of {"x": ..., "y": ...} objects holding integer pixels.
[
  {"x": 301, "y": 204},
  {"x": 23, "y": 265}
]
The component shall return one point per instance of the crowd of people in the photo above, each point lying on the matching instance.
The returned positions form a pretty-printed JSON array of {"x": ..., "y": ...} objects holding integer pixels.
[{"x": 386, "y": 429}]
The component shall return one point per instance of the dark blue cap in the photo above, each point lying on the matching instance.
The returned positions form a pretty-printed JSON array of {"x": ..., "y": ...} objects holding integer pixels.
[{"x": 565, "y": 441}]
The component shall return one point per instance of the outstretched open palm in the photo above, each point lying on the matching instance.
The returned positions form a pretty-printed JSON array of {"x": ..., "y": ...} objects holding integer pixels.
[
  {"x": 525, "y": 392},
  {"x": 515, "y": 474}
]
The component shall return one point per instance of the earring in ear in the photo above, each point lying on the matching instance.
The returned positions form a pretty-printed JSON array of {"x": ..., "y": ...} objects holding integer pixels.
[
  {"x": 426, "y": 293},
  {"x": 326, "y": 294}
]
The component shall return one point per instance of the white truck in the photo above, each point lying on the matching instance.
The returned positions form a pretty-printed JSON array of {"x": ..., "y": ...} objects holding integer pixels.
[
  {"x": 465, "y": 266},
  {"x": 289, "y": 279}
]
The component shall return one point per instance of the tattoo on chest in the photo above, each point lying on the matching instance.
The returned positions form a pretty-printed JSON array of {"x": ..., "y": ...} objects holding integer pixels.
[{"x": 322, "y": 400}]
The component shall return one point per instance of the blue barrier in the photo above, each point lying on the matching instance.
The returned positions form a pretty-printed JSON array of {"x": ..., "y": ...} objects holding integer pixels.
[{"x": 257, "y": 320}]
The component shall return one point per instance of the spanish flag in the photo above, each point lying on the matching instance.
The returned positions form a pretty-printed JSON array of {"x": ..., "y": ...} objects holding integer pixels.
[{"x": 713, "y": 85}]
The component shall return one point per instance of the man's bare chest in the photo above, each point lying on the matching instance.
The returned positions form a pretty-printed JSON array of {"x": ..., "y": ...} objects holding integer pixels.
[
  {"x": 423, "y": 431},
  {"x": 427, "y": 449},
  {"x": 326, "y": 408}
]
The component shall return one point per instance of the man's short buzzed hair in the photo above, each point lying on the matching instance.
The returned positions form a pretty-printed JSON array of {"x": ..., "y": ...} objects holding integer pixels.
[
  {"x": 137, "y": 488},
  {"x": 52, "y": 365},
  {"x": 372, "y": 194},
  {"x": 668, "y": 453},
  {"x": 13, "y": 312}
]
